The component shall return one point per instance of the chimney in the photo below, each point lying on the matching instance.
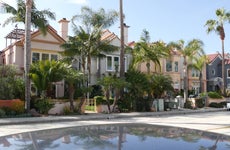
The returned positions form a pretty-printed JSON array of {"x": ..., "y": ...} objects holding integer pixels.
[
  {"x": 64, "y": 28},
  {"x": 126, "y": 33}
]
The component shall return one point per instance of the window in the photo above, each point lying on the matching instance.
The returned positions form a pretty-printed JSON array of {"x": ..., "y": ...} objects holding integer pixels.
[
  {"x": 213, "y": 72},
  {"x": 54, "y": 57},
  {"x": 35, "y": 57},
  {"x": 195, "y": 73},
  {"x": 112, "y": 63},
  {"x": 45, "y": 56},
  {"x": 176, "y": 66},
  {"x": 116, "y": 63},
  {"x": 168, "y": 66},
  {"x": 228, "y": 73},
  {"x": 109, "y": 63}
]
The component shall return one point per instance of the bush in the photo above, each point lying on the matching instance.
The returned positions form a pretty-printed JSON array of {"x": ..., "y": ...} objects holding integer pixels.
[
  {"x": 188, "y": 104},
  {"x": 66, "y": 110},
  {"x": 2, "y": 113},
  {"x": 217, "y": 105},
  {"x": 43, "y": 105},
  {"x": 214, "y": 95},
  {"x": 18, "y": 107},
  {"x": 100, "y": 100},
  {"x": 200, "y": 103}
]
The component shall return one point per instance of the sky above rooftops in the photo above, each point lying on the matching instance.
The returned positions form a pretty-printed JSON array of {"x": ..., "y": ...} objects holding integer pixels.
[{"x": 166, "y": 20}]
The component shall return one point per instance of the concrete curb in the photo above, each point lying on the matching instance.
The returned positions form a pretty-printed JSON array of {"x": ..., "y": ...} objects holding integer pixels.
[{"x": 50, "y": 119}]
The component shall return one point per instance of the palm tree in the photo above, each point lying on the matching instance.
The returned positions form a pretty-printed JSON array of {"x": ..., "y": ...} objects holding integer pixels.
[
  {"x": 139, "y": 85},
  {"x": 144, "y": 51},
  {"x": 198, "y": 64},
  {"x": 38, "y": 18},
  {"x": 27, "y": 52},
  {"x": 218, "y": 27},
  {"x": 87, "y": 45},
  {"x": 194, "y": 48},
  {"x": 91, "y": 19},
  {"x": 27, "y": 13},
  {"x": 122, "y": 51},
  {"x": 44, "y": 73},
  {"x": 160, "y": 84},
  {"x": 72, "y": 77}
]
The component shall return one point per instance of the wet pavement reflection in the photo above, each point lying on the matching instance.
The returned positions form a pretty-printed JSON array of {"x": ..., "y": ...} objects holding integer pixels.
[{"x": 116, "y": 137}]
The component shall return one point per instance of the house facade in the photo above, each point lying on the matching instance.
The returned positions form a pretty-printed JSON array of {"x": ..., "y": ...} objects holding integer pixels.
[
  {"x": 43, "y": 47},
  {"x": 110, "y": 64},
  {"x": 173, "y": 67},
  {"x": 214, "y": 72}
]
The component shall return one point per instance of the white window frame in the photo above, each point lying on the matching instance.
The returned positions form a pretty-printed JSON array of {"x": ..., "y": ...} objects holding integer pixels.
[{"x": 113, "y": 62}]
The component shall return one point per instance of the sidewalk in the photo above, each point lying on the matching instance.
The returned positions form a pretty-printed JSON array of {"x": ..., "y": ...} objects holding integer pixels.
[{"x": 95, "y": 116}]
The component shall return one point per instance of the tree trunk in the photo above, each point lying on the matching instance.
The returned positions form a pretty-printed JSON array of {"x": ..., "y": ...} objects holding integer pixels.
[
  {"x": 115, "y": 99},
  {"x": 223, "y": 69},
  {"x": 122, "y": 66},
  {"x": 27, "y": 53},
  {"x": 201, "y": 84},
  {"x": 107, "y": 100},
  {"x": 185, "y": 80},
  {"x": 71, "y": 96}
]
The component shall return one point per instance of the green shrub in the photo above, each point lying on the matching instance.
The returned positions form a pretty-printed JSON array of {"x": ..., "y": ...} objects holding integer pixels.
[
  {"x": 200, "y": 103},
  {"x": 100, "y": 100},
  {"x": 214, "y": 95},
  {"x": 217, "y": 105},
  {"x": 188, "y": 104},
  {"x": 66, "y": 110},
  {"x": 2, "y": 113},
  {"x": 43, "y": 105}
]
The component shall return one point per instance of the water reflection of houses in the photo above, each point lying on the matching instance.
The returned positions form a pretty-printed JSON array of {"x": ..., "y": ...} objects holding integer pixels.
[{"x": 105, "y": 133}]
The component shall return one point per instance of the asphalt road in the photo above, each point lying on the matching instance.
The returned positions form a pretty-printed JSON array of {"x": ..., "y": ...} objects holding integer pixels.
[{"x": 218, "y": 122}]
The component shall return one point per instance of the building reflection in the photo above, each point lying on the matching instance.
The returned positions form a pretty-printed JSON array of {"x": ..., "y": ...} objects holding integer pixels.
[{"x": 109, "y": 136}]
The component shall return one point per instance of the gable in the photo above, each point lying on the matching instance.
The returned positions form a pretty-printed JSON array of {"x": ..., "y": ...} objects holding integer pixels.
[{"x": 51, "y": 36}]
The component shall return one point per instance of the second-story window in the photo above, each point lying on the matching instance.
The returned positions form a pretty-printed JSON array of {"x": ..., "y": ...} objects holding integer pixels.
[
  {"x": 176, "y": 66},
  {"x": 168, "y": 66},
  {"x": 213, "y": 72},
  {"x": 112, "y": 63},
  {"x": 195, "y": 73}
]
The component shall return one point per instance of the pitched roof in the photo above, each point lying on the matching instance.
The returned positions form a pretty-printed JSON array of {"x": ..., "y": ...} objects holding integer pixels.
[
  {"x": 21, "y": 38},
  {"x": 212, "y": 57},
  {"x": 108, "y": 35}
]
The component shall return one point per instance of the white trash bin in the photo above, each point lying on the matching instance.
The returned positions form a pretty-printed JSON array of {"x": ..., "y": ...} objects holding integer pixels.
[{"x": 228, "y": 106}]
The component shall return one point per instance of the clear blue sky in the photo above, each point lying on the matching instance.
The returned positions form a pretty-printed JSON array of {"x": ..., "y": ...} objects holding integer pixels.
[{"x": 167, "y": 20}]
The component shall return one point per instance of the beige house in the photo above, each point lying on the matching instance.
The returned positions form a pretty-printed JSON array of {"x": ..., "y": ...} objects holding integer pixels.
[
  {"x": 43, "y": 47},
  {"x": 173, "y": 66}
]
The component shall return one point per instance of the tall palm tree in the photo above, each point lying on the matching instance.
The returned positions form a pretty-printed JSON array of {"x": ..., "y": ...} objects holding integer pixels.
[
  {"x": 27, "y": 13},
  {"x": 90, "y": 19},
  {"x": 144, "y": 51},
  {"x": 194, "y": 48},
  {"x": 72, "y": 77},
  {"x": 27, "y": 52},
  {"x": 87, "y": 45},
  {"x": 38, "y": 18},
  {"x": 198, "y": 64},
  {"x": 218, "y": 27}
]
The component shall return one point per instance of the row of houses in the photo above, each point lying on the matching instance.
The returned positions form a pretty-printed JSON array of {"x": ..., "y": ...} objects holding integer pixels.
[{"x": 48, "y": 47}]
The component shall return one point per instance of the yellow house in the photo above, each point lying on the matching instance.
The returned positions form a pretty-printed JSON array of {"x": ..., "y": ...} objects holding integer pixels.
[{"x": 43, "y": 47}]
